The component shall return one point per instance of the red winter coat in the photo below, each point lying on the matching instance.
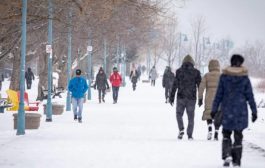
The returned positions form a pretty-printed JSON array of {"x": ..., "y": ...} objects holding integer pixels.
[{"x": 115, "y": 79}]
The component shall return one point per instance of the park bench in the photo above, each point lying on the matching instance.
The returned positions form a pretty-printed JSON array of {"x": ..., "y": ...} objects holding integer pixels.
[
  {"x": 54, "y": 92},
  {"x": 4, "y": 104}
]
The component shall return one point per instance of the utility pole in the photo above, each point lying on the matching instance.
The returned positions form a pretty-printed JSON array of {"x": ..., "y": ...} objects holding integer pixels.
[
  {"x": 49, "y": 104},
  {"x": 21, "y": 111},
  {"x": 69, "y": 61}
]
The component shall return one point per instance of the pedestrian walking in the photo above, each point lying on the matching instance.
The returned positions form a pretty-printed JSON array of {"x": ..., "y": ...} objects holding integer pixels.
[
  {"x": 209, "y": 84},
  {"x": 167, "y": 82},
  {"x": 101, "y": 84},
  {"x": 29, "y": 77},
  {"x": 187, "y": 80},
  {"x": 115, "y": 80},
  {"x": 78, "y": 87},
  {"x": 153, "y": 75},
  {"x": 134, "y": 77},
  {"x": 233, "y": 93}
]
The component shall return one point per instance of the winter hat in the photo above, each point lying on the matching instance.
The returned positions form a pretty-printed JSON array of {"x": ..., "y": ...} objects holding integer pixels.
[
  {"x": 236, "y": 60},
  {"x": 214, "y": 65},
  {"x": 115, "y": 69},
  {"x": 78, "y": 72},
  {"x": 101, "y": 69},
  {"x": 189, "y": 59}
]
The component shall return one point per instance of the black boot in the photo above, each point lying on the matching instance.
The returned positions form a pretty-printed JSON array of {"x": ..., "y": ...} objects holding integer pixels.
[
  {"x": 226, "y": 148},
  {"x": 75, "y": 117},
  {"x": 99, "y": 100},
  {"x": 236, "y": 155},
  {"x": 181, "y": 133},
  {"x": 216, "y": 135},
  {"x": 80, "y": 120}
]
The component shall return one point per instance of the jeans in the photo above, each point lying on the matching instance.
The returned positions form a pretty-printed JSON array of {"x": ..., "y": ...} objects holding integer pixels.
[
  {"x": 115, "y": 93},
  {"x": 189, "y": 105},
  {"x": 78, "y": 103}
]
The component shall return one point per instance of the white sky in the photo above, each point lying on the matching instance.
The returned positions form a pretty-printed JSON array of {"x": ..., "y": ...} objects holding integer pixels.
[{"x": 239, "y": 20}]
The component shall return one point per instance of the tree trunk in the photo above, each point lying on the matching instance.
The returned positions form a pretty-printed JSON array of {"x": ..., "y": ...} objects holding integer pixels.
[
  {"x": 43, "y": 75},
  {"x": 62, "y": 81},
  {"x": 15, "y": 77}
]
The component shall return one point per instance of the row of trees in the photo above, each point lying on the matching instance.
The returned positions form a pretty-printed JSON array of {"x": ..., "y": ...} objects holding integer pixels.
[{"x": 127, "y": 22}]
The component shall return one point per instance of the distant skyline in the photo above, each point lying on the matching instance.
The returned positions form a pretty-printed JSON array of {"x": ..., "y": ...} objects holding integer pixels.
[{"x": 239, "y": 20}]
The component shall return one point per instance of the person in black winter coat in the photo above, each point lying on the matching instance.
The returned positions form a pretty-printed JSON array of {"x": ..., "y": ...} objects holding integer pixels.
[
  {"x": 167, "y": 82},
  {"x": 101, "y": 84},
  {"x": 233, "y": 93},
  {"x": 187, "y": 81},
  {"x": 29, "y": 77},
  {"x": 134, "y": 77}
]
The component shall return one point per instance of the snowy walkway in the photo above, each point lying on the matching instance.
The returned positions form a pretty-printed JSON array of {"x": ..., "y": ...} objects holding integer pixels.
[{"x": 138, "y": 132}]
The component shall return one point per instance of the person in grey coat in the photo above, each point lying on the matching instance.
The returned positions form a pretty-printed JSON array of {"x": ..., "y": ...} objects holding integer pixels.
[
  {"x": 167, "y": 82},
  {"x": 186, "y": 82},
  {"x": 101, "y": 84},
  {"x": 233, "y": 95},
  {"x": 153, "y": 75}
]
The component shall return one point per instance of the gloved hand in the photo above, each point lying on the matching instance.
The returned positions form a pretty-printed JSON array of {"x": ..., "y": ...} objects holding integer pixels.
[
  {"x": 200, "y": 102},
  {"x": 213, "y": 114},
  {"x": 95, "y": 87},
  {"x": 171, "y": 102},
  {"x": 254, "y": 117},
  {"x": 108, "y": 88}
]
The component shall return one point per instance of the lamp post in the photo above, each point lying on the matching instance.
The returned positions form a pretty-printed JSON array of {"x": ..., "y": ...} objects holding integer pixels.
[
  {"x": 123, "y": 58},
  {"x": 181, "y": 36},
  {"x": 21, "y": 111},
  {"x": 89, "y": 77},
  {"x": 117, "y": 53},
  {"x": 49, "y": 104},
  {"x": 69, "y": 61},
  {"x": 105, "y": 55},
  {"x": 205, "y": 41}
]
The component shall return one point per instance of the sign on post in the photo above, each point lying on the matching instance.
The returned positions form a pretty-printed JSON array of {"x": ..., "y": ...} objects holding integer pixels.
[
  {"x": 89, "y": 48},
  {"x": 49, "y": 50}
]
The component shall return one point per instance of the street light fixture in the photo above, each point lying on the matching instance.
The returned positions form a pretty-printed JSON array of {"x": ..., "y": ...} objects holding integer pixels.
[{"x": 185, "y": 39}]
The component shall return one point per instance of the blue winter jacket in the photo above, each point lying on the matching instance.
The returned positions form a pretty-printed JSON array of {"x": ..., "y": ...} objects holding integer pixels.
[
  {"x": 78, "y": 86},
  {"x": 233, "y": 93}
]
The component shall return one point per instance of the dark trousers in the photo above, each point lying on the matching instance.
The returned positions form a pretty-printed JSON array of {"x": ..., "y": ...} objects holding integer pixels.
[
  {"x": 101, "y": 93},
  {"x": 210, "y": 122},
  {"x": 234, "y": 150},
  {"x": 115, "y": 93},
  {"x": 167, "y": 92},
  {"x": 134, "y": 85},
  {"x": 153, "y": 82},
  {"x": 28, "y": 84},
  {"x": 189, "y": 105},
  {"x": 0, "y": 85}
]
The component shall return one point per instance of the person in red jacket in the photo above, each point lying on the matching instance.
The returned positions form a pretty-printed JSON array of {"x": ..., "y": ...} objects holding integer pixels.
[{"x": 115, "y": 80}]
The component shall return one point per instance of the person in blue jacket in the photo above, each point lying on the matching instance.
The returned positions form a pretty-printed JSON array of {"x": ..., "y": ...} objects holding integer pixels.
[
  {"x": 233, "y": 93},
  {"x": 78, "y": 87}
]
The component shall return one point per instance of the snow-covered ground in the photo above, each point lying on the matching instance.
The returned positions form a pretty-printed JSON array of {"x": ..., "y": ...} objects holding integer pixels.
[{"x": 138, "y": 132}]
